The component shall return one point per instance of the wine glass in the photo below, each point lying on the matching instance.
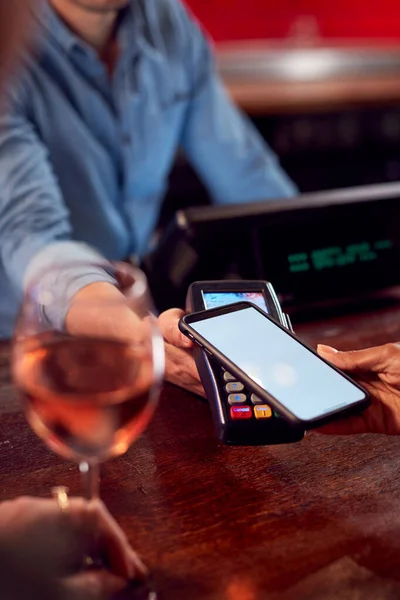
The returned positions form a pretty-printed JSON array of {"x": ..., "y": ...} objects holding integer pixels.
[{"x": 88, "y": 361}]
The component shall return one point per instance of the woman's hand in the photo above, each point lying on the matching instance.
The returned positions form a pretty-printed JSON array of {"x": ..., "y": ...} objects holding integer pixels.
[
  {"x": 378, "y": 371},
  {"x": 43, "y": 548}
]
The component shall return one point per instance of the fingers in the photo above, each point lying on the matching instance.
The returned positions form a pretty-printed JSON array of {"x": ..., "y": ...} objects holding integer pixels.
[
  {"x": 123, "y": 561},
  {"x": 93, "y": 525},
  {"x": 92, "y": 585},
  {"x": 168, "y": 323},
  {"x": 50, "y": 541},
  {"x": 181, "y": 369},
  {"x": 375, "y": 359}
]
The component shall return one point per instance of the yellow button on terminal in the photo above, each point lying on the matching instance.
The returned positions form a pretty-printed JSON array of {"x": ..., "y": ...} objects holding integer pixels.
[{"x": 263, "y": 411}]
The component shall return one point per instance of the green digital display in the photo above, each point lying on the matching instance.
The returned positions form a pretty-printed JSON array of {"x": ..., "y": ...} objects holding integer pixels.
[{"x": 337, "y": 256}]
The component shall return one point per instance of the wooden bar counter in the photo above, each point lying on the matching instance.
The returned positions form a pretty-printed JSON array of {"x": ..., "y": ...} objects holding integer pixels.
[{"x": 317, "y": 519}]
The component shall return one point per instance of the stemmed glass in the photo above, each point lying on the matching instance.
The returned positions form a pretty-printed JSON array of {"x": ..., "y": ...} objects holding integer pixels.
[{"x": 88, "y": 361}]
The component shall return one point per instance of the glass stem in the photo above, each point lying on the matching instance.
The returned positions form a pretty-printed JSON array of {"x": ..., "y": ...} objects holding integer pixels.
[{"x": 90, "y": 472}]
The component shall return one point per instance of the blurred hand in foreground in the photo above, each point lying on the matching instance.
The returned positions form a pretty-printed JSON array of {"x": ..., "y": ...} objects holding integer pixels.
[{"x": 42, "y": 550}]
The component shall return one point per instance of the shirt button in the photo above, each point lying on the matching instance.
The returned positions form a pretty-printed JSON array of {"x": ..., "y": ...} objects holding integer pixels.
[{"x": 126, "y": 139}]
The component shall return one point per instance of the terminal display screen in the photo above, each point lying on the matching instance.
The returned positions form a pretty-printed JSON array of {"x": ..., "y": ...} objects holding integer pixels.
[
  {"x": 336, "y": 251},
  {"x": 217, "y": 299},
  {"x": 338, "y": 256}
]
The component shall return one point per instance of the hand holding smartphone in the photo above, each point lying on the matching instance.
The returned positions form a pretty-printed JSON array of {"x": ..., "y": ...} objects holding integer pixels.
[{"x": 275, "y": 365}]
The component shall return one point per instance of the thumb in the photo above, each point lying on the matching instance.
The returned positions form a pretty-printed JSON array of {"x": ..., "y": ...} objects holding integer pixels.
[
  {"x": 168, "y": 323},
  {"x": 371, "y": 359},
  {"x": 92, "y": 585}
]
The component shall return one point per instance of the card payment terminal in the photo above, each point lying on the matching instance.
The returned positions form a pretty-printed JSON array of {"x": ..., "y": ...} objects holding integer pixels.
[{"x": 240, "y": 417}]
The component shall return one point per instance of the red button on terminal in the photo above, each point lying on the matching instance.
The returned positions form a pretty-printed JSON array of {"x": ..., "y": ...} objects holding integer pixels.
[{"x": 241, "y": 412}]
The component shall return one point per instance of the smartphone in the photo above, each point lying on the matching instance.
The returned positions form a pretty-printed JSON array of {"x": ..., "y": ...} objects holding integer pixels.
[{"x": 274, "y": 364}]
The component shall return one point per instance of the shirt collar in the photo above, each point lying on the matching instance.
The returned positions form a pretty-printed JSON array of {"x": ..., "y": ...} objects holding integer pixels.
[
  {"x": 130, "y": 27},
  {"x": 55, "y": 27}
]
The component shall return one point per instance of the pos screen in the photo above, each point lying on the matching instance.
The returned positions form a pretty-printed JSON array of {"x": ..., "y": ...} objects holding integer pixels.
[{"x": 217, "y": 299}]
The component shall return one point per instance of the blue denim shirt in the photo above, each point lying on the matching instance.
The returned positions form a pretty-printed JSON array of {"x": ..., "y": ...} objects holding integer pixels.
[{"x": 85, "y": 157}]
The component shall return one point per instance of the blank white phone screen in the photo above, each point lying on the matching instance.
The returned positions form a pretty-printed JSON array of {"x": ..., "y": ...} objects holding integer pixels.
[{"x": 299, "y": 380}]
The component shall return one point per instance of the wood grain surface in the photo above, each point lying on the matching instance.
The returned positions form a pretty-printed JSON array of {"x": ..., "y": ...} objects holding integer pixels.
[{"x": 317, "y": 519}]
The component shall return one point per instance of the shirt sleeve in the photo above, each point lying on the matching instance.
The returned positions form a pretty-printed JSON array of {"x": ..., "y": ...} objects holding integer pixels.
[
  {"x": 35, "y": 230},
  {"x": 222, "y": 144}
]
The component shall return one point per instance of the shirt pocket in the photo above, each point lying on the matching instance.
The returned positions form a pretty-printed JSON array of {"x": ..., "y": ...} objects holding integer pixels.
[{"x": 175, "y": 100}]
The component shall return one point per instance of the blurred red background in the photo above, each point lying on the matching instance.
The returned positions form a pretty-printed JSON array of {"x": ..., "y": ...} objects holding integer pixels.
[{"x": 260, "y": 19}]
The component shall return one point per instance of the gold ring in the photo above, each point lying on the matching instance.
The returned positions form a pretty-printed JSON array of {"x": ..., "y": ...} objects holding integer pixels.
[{"x": 60, "y": 494}]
